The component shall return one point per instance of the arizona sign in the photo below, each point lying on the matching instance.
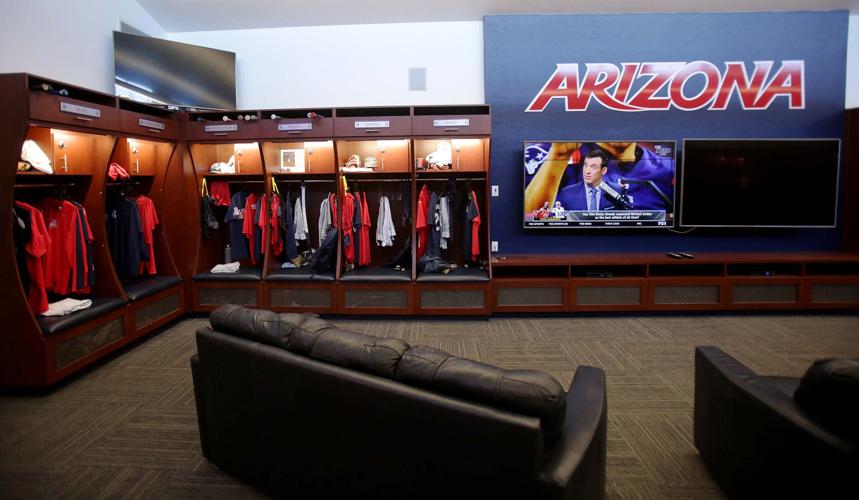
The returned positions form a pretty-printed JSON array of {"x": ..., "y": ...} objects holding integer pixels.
[{"x": 639, "y": 86}]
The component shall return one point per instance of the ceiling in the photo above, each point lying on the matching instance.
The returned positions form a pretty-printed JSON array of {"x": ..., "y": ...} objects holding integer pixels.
[{"x": 216, "y": 15}]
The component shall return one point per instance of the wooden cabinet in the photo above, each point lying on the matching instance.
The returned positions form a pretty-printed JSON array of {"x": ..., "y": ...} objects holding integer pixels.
[
  {"x": 655, "y": 282},
  {"x": 162, "y": 125},
  {"x": 212, "y": 126},
  {"x": 296, "y": 124},
  {"x": 373, "y": 122},
  {"x": 451, "y": 121},
  {"x": 66, "y": 110}
]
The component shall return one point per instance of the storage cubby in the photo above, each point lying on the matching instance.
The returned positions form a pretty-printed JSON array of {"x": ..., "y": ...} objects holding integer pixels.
[
  {"x": 607, "y": 271},
  {"x": 156, "y": 292},
  {"x": 664, "y": 270},
  {"x": 464, "y": 188},
  {"x": 451, "y": 154},
  {"x": 209, "y": 290},
  {"x": 396, "y": 187},
  {"x": 382, "y": 156},
  {"x": 501, "y": 271},
  {"x": 832, "y": 269},
  {"x": 299, "y": 158},
  {"x": 765, "y": 269}
]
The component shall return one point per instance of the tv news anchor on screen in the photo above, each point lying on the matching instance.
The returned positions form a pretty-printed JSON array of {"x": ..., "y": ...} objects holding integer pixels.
[
  {"x": 592, "y": 193},
  {"x": 630, "y": 183}
]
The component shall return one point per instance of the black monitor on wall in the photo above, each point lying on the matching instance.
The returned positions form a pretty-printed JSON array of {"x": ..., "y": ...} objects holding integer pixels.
[
  {"x": 790, "y": 183},
  {"x": 172, "y": 73}
]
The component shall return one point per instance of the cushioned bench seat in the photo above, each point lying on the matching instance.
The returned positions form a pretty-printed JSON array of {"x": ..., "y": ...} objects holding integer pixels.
[
  {"x": 149, "y": 286},
  {"x": 55, "y": 324},
  {"x": 299, "y": 274},
  {"x": 460, "y": 274},
  {"x": 376, "y": 275},
  {"x": 243, "y": 274}
]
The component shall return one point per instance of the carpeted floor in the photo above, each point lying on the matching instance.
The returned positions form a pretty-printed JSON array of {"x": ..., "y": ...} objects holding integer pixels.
[{"x": 128, "y": 427}]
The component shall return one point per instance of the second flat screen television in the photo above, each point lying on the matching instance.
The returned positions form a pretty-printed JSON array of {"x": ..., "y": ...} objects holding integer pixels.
[{"x": 599, "y": 184}]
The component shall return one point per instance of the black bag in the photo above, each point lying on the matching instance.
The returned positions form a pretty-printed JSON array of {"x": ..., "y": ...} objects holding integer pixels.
[{"x": 326, "y": 257}]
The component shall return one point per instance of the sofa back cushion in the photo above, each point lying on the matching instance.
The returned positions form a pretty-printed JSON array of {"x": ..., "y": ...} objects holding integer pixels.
[
  {"x": 254, "y": 324},
  {"x": 829, "y": 392},
  {"x": 528, "y": 392},
  {"x": 320, "y": 340}
]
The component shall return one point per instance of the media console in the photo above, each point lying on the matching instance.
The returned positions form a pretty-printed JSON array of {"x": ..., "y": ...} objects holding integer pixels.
[{"x": 657, "y": 282}]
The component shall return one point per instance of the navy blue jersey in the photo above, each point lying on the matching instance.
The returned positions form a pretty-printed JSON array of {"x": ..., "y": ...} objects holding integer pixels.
[{"x": 240, "y": 249}]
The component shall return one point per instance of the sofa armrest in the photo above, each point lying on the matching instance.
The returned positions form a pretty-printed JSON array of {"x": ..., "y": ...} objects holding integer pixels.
[
  {"x": 575, "y": 466},
  {"x": 198, "y": 398},
  {"x": 756, "y": 441}
]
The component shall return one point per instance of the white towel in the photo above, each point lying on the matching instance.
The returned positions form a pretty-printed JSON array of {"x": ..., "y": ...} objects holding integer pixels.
[
  {"x": 66, "y": 306},
  {"x": 232, "y": 267}
]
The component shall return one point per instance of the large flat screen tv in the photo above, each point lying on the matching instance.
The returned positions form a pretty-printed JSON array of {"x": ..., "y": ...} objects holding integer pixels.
[
  {"x": 173, "y": 73},
  {"x": 586, "y": 184},
  {"x": 790, "y": 183}
]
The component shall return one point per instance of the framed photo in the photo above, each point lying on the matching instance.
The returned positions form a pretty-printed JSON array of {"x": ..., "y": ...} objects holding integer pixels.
[{"x": 292, "y": 160}]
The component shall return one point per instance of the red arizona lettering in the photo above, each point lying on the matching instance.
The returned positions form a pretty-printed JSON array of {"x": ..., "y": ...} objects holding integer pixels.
[
  {"x": 596, "y": 87},
  {"x": 788, "y": 81},
  {"x": 661, "y": 72},
  {"x": 627, "y": 75},
  {"x": 706, "y": 95},
  {"x": 563, "y": 84},
  {"x": 735, "y": 77}
]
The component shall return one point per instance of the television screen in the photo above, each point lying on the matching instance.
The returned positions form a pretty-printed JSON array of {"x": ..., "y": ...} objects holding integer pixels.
[
  {"x": 759, "y": 183},
  {"x": 163, "y": 72},
  {"x": 599, "y": 184}
]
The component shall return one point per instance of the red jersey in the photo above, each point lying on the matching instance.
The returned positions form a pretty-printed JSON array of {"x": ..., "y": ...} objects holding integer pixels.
[
  {"x": 37, "y": 251},
  {"x": 148, "y": 221},
  {"x": 421, "y": 221}
]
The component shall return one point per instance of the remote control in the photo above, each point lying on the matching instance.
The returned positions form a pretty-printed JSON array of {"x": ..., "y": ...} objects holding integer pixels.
[
  {"x": 675, "y": 255},
  {"x": 687, "y": 255}
]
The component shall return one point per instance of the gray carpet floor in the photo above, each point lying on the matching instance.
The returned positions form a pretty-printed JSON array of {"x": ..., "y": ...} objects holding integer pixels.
[{"x": 128, "y": 428}]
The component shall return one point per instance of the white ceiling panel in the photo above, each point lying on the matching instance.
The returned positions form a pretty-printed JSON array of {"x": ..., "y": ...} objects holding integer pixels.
[{"x": 216, "y": 15}]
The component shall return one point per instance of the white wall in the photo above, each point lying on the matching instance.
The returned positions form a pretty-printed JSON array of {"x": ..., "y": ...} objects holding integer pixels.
[
  {"x": 852, "y": 97},
  {"x": 71, "y": 41},
  {"x": 361, "y": 65}
]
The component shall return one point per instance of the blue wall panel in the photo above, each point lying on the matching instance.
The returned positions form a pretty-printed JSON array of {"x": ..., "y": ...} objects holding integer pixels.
[{"x": 522, "y": 51}]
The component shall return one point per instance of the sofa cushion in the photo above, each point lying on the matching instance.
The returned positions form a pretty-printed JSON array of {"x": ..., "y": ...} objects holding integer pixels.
[
  {"x": 528, "y": 392},
  {"x": 829, "y": 392},
  {"x": 320, "y": 340},
  {"x": 266, "y": 327}
]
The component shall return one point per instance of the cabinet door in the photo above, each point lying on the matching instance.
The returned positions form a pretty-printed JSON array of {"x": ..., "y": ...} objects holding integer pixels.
[{"x": 73, "y": 153}]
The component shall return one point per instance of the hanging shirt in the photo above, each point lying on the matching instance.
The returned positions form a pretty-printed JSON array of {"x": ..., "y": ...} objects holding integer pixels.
[
  {"x": 365, "y": 231},
  {"x": 88, "y": 238},
  {"x": 125, "y": 236},
  {"x": 301, "y": 229},
  {"x": 290, "y": 248},
  {"x": 219, "y": 192},
  {"x": 356, "y": 229},
  {"x": 324, "y": 220},
  {"x": 433, "y": 226},
  {"x": 444, "y": 221},
  {"x": 249, "y": 225},
  {"x": 385, "y": 231},
  {"x": 421, "y": 222},
  {"x": 304, "y": 225},
  {"x": 262, "y": 223},
  {"x": 348, "y": 236},
  {"x": 239, "y": 247},
  {"x": 36, "y": 256},
  {"x": 471, "y": 232},
  {"x": 60, "y": 220},
  {"x": 148, "y": 220},
  {"x": 275, "y": 217}
]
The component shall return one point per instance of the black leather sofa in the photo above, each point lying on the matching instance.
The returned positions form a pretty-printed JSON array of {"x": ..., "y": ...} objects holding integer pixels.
[
  {"x": 302, "y": 409},
  {"x": 760, "y": 441}
]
